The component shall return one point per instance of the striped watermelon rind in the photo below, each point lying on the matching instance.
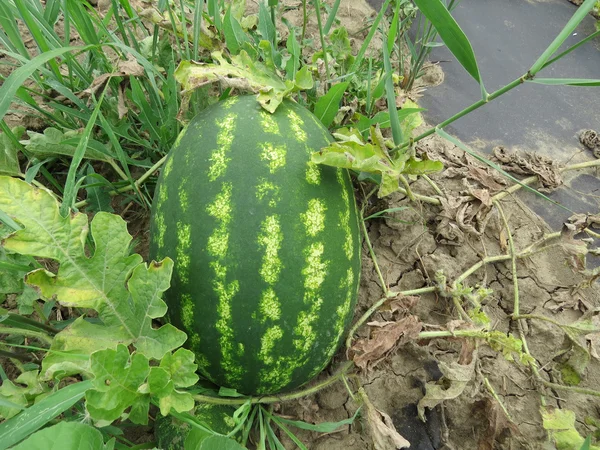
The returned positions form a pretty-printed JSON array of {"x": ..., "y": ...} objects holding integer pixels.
[
  {"x": 172, "y": 433},
  {"x": 266, "y": 245}
]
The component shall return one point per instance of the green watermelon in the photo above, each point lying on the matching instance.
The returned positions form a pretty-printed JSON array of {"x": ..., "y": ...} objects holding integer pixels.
[
  {"x": 173, "y": 434},
  {"x": 265, "y": 243}
]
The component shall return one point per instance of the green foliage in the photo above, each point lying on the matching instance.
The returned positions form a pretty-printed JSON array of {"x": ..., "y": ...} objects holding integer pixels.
[
  {"x": 66, "y": 436},
  {"x": 22, "y": 392},
  {"x": 560, "y": 424},
  {"x": 352, "y": 152},
  {"x": 123, "y": 381},
  {"x": 9, "y": 161},
  {"x": 33, "y": 418},
  {"x": 246, "y": 73},
  {"x": 123, "y": 291}
]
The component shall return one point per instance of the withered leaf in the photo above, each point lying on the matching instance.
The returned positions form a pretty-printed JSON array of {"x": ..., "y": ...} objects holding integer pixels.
[
  {"x": 455, "y": 379},
  {"x": 546, "y": 169},
  {"x": 128, "y": 68},
  {"x": 385, "y": 338},
  {"x": 382, "y": 429},
  {"x": 401, "y": 303},
  {"x": 489, "y": 180},
  {"x": 497, "y": 423}
]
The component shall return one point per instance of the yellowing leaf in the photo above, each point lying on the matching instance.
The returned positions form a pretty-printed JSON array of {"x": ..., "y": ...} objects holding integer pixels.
[
  {"x": 456, "y": 377},
  {"x": 560, "y": 424},
  {"x": 125, "y": 292},
  {"x": 243, "y": 73},
  {"x": 352, "y": 153}
]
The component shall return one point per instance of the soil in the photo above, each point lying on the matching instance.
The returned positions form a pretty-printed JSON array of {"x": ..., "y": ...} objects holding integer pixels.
[
  {"x": 411, "y": 246},
  {"x": 409, "y": 253}
]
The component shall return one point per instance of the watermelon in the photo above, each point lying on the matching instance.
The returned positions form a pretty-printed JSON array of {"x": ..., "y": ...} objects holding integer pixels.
[
  {"x": 265, "y": 243},
  {"x": 174, "y": 434}
]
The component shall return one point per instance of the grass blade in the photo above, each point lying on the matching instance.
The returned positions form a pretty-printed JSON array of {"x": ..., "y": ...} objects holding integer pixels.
[
  {"x": 367, "y": 41},
  {"x": 391, "y": 99},
  {"x": 565, "y": 82},
  {"x": 324, "y": 427},
  {"x": 570, "y": 49},
  {"x": 33, "y": 418},
  {"x": 18, "y": 77},
  {"x": 198, "y": 8},
  {"x": 70, "y": 184},
  {"x": 328, "y": 105},
  {"x": 495, "y": 166},
  {"x": 581, "y": 12},
  {"x": 331, "y": 18},
  {"x": 452, "y": 35}
]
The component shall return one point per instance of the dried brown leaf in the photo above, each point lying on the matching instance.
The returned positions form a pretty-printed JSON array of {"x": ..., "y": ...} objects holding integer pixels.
[
  {"x": 121, "y": 106},
  {"x": 546, "y": 169},
  {"x": 487, "y": 179},
  {"x": 463, "y": 214},
  {"x": 401, "y": 303},
  {"x": 382, "y": 429},
  {"x": 497, "y": 423},
  {"x": 127, "y": 68},
  {"x": 451, "y": 385},
  {"x": 385, "y": 339}
]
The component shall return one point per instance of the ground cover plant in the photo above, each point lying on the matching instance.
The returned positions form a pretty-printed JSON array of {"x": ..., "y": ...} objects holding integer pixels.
[{"x": 94, "y": 97}]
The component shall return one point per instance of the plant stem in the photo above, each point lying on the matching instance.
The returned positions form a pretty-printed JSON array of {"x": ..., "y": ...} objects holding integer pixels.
[
  {"x": 513, "y": 257},
  {"x": 304, "y": 21},
  {"x": 372, "y": 253},
  {"x": 432, "y": 183},
  {"x": 467, "y": 110},
  {"x": 136, "y": 185},
  {"x": 490, "y": 388},
  {"x": 280, "y": 398},
  {"x": 27, "y": 333},
  {"x": 11, "y": 355},
  {"x": 391, "y": 294},
  {"x": 322, "y": 36},
  {"x": 407, "y": 189},
  {"x": 536, "y": 317}
]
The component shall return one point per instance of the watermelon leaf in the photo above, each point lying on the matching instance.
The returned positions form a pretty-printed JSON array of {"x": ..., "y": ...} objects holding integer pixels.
[
  {"x": 125, "y": 292},
  {"x": 244, "y": 73},
  {"x": 351, "y": 152},
  {"x": 124, "y": 381}
]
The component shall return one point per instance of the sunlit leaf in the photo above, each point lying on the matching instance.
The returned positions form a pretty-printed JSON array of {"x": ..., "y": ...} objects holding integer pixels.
[
  {"x": 243, "y": 73},
  {"x": 125, "y": 292},
  {"x": 117, "y": 377},
  {"x": 560, "y": 424}
]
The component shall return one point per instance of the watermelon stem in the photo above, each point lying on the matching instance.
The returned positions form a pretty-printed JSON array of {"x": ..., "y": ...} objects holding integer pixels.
[{"x": 341, "y": 372}]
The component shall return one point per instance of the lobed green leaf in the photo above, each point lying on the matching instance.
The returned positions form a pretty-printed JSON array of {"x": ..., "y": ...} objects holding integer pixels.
[{"x": 125, "y": 292}]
